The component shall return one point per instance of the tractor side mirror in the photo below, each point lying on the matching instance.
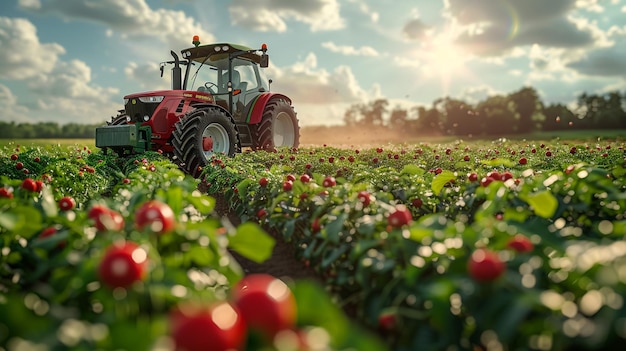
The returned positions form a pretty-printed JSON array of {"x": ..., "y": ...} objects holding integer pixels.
[{"x": 265, "y": 60}]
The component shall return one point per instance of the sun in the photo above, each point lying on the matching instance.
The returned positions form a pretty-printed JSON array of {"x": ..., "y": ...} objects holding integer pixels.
[{"x": 443, "y": 59}]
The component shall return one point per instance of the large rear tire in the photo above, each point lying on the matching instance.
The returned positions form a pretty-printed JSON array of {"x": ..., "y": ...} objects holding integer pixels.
[
  {"x": 278, "y": 127},
  {"x": 199, "y": 135}
]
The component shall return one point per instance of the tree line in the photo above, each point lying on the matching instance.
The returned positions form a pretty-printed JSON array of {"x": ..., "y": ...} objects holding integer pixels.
[
  {"x": 519, "y": 112},
  {"x": 45, "y": 130}
]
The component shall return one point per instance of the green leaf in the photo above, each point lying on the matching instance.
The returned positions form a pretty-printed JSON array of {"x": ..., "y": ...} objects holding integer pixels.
[
  {"x": 543, "y": 203},
  {"x": 412, "y": 169},
  {"x": 252, "y": 242},
  {"x": 204, "y": 204},
  {"x": 498, "y": 162},
  {"x": 332, "y": 229},
  {"x": 441, "y": 180}
]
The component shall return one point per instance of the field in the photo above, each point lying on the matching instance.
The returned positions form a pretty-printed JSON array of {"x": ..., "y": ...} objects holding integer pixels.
[{"x": 437, "y": 244}]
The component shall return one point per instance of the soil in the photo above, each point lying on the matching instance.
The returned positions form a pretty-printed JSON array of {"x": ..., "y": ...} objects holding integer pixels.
[{"x": 346, "y": 137}]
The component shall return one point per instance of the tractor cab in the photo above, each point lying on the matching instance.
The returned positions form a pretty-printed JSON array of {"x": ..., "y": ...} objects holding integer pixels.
[{"x": 233, "y": 81}]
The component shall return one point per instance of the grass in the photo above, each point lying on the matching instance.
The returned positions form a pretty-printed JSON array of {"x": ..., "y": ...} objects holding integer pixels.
[{"x": 90, "y": 143}]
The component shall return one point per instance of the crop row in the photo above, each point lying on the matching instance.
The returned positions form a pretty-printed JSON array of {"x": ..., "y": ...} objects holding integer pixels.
[
  {"x": 501, "y": 245},
  {"x": 99, "y": 253}
]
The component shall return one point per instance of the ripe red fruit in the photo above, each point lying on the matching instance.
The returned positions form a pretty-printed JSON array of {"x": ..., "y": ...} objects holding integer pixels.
[
  {"x": 329, "y": 182},
  {"x": 350, "y": 158},
  {"x": 260, "y": 214},
  {"x": 485, "y": 181},
  {"x": 122, "y": 265},
  {"x": 66, "y": 203},
  {"x": 506, "y": 176},
  {"x": 520, "y": 243},
  {"x": 387, "y": 321},
  {"x": 218, "y": 327},
  {"x": 48, "y": 232},
  {"x": 316, "y": 226},
  {"x": 4, "y": 192},
  {"x": 126, "y": 181},
  {"x": 399, "y": 217},
  {"x": 266, "y": 303},
  {"x": 305, "y": 178},
  {"x": 375, "y": 160},
  {"x": 523, "y": 161},
  {"x": 379, "y": 150},
  {"x": 572, "y": 150},
  {"x": 485, "y": 265},
  {"x": 548, "y": 153},
  {"x": 263, "y": 182},
  {"x": 331, "y": 159},
  {"x": 14, "y": 157},
  {"x": 36, "y": 159},
  {"x": 19, "y": 166},
  {"x": 417, "y": 202},
  {"x": 287, "y": 185},
  {"x": 106, "y": 219},
  {"x": 364, "y": 197},
  {"x": 155, "y": 216},
  {"x": 466, "y": 158},
  {"x": 291, "y": 177},
  {"x": 29, "y": 185},
  {"x": 472, "y": 177}
]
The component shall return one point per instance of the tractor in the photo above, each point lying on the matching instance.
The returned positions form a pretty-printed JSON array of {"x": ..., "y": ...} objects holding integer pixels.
[{"x": 220, "y": 105}]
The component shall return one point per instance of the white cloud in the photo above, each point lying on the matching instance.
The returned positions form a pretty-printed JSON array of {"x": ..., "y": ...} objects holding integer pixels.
[
  {"x": 22, "y": 55},
  {"x": 147, "y": 75},
  {"x": 350, "y": 50},
  {"x": 11, "y": 110},
  {"x": 271, "y": 15},
  {"x": 68, "y": 93},
  {"x": 127, "y": 17}
]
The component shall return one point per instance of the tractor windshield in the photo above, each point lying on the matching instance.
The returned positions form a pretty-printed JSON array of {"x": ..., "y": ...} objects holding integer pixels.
[{"x": 212, "y": 76}]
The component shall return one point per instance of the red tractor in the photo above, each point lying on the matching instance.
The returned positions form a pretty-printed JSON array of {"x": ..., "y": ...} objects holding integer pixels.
[{"x": 221, "y": 104}]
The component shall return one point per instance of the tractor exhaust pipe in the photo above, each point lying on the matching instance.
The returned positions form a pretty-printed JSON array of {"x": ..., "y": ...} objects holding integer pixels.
[{"x": 177, "y": 83}]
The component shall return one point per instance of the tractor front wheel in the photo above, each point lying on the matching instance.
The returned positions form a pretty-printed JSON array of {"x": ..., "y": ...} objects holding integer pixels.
[
  {"x": 200, "y": 134},
  {"x": 278, "y": 127}
]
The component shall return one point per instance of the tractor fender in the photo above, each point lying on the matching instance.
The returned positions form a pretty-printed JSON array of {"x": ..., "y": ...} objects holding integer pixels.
[
  {"x": 204, "y": 105},
  {"x": 255, "y": 112}
]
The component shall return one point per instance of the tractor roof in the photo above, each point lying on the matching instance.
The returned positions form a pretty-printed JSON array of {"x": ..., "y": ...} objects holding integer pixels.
[{"x": 218, "y": 52}]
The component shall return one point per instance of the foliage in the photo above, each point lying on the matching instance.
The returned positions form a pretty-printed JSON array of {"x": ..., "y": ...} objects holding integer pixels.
[
  {"x": 552, "y": 212},
  {"x": 57, "y": 266}
]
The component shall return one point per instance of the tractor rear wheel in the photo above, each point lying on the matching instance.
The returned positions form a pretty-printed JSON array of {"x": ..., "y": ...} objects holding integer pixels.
[
  {"x": 199, "y": 135},
  {"x": 278, "y": 127}
]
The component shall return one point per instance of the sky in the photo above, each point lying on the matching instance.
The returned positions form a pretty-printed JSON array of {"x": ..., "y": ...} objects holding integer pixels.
[{"x": 72, "y": 61}]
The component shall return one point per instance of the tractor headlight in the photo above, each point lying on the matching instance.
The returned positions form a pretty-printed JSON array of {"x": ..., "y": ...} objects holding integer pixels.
[
  {"x": 152, "y": 99},
  {"x": 127, "y": 118},
  {"x": 146, "y": 118}
]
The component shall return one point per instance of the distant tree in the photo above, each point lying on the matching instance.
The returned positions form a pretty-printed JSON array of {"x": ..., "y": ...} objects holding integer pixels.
[
  {"x": 497, "y": 115},
  {"x": 398, "y": 119},
  {"x": 429, "y": 121},
  {"x": 558, "y": 116},
  {"x": 528, "y": 107}
]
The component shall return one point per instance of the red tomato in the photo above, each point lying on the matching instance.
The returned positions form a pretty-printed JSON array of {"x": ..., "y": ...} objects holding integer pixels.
[
  {"x": 106, "y": 219},
  {"x": 520, "y": 243},
  {"x": 305, "y": 178},
  {"x": 388, "y": 321},
  {"x": 66, "y": 203},
  {"x": 266, "y": 303},
  {"x": 4, "y": 192},
  {"x": 401, "y": 216},
  {"x": 263, "y": 182},
  {"x": 122, "y": 265},
  {"x": 287, "y": 185},
  {"x": 29, "y": 185},
  {"x": 485, "y": 265},
  {"x": 218, "y": 327},
  {"x": 329, "y": 182},
  {"x": 364, "y": 197},
  {"x": 156, "y": 216}
]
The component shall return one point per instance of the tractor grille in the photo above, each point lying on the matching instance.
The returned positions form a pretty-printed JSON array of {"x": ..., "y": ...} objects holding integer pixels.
[{"x": 137, "y": 109}]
